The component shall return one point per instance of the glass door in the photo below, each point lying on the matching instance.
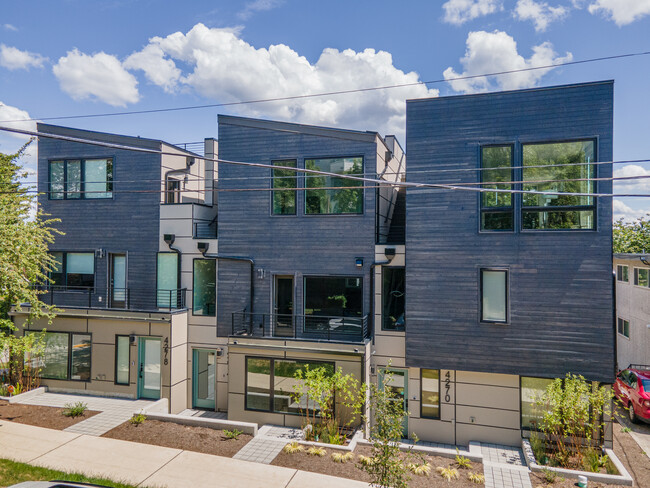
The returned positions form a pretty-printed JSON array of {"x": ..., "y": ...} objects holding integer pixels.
[
  {"x": 118, "y": 281},
  {"x": 204, "y": 378},
  {"x": 283, "y": 306},
  {"x": 149, "y": 375},
  {"x": 397, "y": 384}
]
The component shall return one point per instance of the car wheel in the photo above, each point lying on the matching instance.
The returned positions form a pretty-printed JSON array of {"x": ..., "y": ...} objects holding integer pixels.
[{"x": 631, "y": 414}]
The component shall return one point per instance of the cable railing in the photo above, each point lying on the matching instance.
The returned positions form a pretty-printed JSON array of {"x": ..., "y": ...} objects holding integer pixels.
[{"x": 305, "y": 327}]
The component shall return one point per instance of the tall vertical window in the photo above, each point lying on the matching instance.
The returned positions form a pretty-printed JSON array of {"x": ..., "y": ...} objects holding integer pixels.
[
  {"x": 173, "y": 191},
  {"x": 258, "y": 384},
  {"x": 392, "y": 296},
  {"x": 283, "y": 197},
  {"x": 204, "y": 289},
  {"x": 122, "y": 345},
  {"x": 494, "y": 295},
  {"x": 76, "y": 179},
  {"x": 167, "y": 279},
  {"x": 324, "y": 194},
  {"x": 622, "y": 273},
  {"x": 563, "y": 167},
  {"x": 496, "y": 169},
  {"x": 532, "y": 410},
  {"x": 623, "y": 327},
  {"x": 73, "y": 269},
  {"x": 641, "y": 276},
  {"x": 430, "y": 395}
]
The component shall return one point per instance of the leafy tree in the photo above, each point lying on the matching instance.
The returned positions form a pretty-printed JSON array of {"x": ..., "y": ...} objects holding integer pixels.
[
  {"x": 24, "y": 261},
  {"x": 632, "y": 237}
]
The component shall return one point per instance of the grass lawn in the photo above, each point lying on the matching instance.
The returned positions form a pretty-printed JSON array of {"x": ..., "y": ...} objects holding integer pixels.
[{"x": 12, "y": 473}]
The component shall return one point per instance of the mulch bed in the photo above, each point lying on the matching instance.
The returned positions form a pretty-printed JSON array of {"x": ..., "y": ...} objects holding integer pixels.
[
  {"x": 352, "y": 469},
  {"x": 49, "y": 417},
  {"x": 628, "y": 452},
  {"x": 189, "y": 438}
]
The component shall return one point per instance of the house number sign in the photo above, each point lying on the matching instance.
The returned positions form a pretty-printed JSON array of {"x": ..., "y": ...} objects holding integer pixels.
[
  {"x": 166, "y": 350},
  {"x": 447, "y": 386}
]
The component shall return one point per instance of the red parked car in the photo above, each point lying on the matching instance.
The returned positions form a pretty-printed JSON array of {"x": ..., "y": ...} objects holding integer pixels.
[{"x": 632, "y": 388}]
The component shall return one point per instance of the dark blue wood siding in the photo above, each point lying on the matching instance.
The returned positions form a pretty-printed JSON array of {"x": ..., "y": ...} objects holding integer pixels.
[
  {"x": 560, "y": 281},
  {"x": 298, "y": 245},
  {"x": 127, "y": 223}
]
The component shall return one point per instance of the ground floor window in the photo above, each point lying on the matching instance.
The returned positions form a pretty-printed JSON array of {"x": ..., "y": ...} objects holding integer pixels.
[
  {"x": 67, "y": 356},
  {"x": 122, "y": 345},
  {"x": 271, "y": 383},
  {"x": 532, "y": 390},
  {"x": 430, "y": 395}
]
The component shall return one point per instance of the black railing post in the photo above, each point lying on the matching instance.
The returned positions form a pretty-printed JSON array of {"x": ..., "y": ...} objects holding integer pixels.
[{"x": 90, "y": 297}]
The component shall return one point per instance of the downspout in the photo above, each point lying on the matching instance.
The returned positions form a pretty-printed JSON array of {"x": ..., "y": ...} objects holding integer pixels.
[{"x": 189, "y": 162}]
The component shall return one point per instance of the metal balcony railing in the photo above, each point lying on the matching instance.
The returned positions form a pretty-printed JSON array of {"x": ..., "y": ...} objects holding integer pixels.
[
  {"x": 113, "y": 298},
  {"x": 305, "y": 327}
]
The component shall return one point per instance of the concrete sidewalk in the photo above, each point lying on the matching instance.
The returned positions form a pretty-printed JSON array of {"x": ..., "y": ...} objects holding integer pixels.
[{"x": 142, "y": 464}]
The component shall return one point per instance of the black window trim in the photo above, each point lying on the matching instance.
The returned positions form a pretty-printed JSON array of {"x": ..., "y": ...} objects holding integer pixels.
[
  {"x": 422, "y": 416},
  {"x": 619, "y": 269},
  {"x": 82, "y": 182},
  {"x": 636, "y": 277},
  {"x": 306, "y": 189},
  {"x": 383, "y": 294},
  {"x": 273, "y": 190},
  {"x": 215, "y": 286},
  {"x": 507, "y": 272},
  {"x": 621, "y": 321},
  {"x": 512, "y": 208},
  {"x": 69, "y": 366},
  {"x": 304, "y": 285},
  {"x": 128, "y": 383},
  {"x": 64, "y": 271}
]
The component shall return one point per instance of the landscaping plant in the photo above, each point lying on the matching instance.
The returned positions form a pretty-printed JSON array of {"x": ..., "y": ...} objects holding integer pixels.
[
  {"x": 420, "y": 469},
  {"x": 76, "y": 409},
  {"x": 232, "y": 434},
  {"x": 462, "y": 461},
  {"x": 448, "y": 473},
  {"x": 316, "y": 451},
  {"x": 477, "y": 478},
  {"x": 339, "y": 457},
  {"x": 137, "y": 419}
]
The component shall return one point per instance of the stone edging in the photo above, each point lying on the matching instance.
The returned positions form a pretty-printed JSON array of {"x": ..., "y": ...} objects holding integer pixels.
[
  {"x": 623, "y": 479},
  {"x": 474, "y": 453},
  {"x": 26, "y": 395},
  {"x": 356, "y": 438},
  {"x": 246, "y": 427}
]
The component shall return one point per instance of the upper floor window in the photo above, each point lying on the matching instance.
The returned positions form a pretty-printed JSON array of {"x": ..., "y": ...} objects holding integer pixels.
[
  {"x": 393, "y": 303},
  {"x": 622, "y": 273},
  {"x": 74, "y": 179},
  {"x": 330, "y": 194},
  {"x": 173, "y": 191},
  {"x": 284, "y": 184},
  {"x": 641, "y": 276},
  {"x": 167, "y": 278},
  {"x": 496, "y": 207},
  {"x": 494, "y": 295},
  {"x": 204, "y": 289},
  {"x": 73, "y": 269},
  {"x": 623, "y": 327},
  {"x": 562, "y": 167}
]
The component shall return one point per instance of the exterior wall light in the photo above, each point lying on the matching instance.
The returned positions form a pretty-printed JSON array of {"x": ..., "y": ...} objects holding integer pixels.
[
  {"x": 169, "y": 239},
  {"x": 358, "y": 262}
]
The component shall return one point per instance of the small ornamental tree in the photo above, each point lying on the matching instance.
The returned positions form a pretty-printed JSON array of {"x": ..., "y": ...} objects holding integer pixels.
[
  {"x": 573, "y": 417},
  {"x": 24, "y": 262}
]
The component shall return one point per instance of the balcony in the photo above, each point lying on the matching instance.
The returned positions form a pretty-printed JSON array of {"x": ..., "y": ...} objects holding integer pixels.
[
  {"x": 149, "y": 300},
  {"x": 301, "y": 327}
]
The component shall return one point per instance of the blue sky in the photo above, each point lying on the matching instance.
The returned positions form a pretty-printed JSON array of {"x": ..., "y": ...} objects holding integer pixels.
[{"x": 74, "y": 57}]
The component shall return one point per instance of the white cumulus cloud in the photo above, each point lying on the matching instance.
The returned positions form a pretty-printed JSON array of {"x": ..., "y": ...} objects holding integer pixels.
[
  {"x": 99, "y": 76},
  {"x": 622, "y": 12},
  {"x": 632, "y": 185},
  {"x": 490, "y": 52},
  {"x": 11, "y": 142},
  {"x": 219, "y": 65},
  {"x": 8, "y": 114},
  {"x": 13, "y": 58},
  {"x": 460, "y": 11},
  {"x": 258, "y": 6},
  {"x": 627, "y": 213},
  {"x": 540, "y": 13}
]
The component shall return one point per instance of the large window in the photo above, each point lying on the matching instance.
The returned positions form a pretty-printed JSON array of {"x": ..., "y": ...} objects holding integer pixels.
[
  {"x": 532, "y": 412},
  {"x": 496, "y": 207},
  {"x": 494, "y": 295},
  {"x": 167, "y": 279},
  {"x": 338, "y": 296},
  {"x": 323, "y": 194},
  {"x": 204, "y": 289},
  {"x": 558, "y": 167},
  {"x": 75, "y": 179},
  {"x": 73, "y": 269},
  {"x": 122, "y": 347},
  {"x": 623, "y": 327},
  {"x": 622, "y": 273},
  {"x": 284, "y": 194},
  {"x": 393, "y": 300},
  {"x": 66, "y": 356},
  {"x": 642, "y": 276},
  {"x": 271, "y": 384},
  {"x": 430, "y": 395}
]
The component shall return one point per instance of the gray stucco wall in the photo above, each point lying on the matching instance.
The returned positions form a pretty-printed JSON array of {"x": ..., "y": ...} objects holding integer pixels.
[
  {"x": 127, "y": 223},
  {"x": 560, "y": 281},
  {"x": 298, "y": 245}
]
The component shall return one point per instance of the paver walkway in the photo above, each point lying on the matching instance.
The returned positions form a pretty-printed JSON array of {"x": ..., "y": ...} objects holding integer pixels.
[
  {"x": 206, "y": 414},
  {"x": 268, "y": 443},
  {"x": 114, "y": 411},
  {"x": 504, "y": 467}
]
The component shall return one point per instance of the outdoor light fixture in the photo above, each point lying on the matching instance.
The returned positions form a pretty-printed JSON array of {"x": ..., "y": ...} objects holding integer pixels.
[
  {"x": 389, "y": 252},
  {"x": 219, "y": 352},
  {"x": 169, "y": 239},
  {"x": 358, "y": 262},
  {"x": 132, "y": 338},
  {"x": 645, "y": 260},
  {"x": 203, "y": 247}
]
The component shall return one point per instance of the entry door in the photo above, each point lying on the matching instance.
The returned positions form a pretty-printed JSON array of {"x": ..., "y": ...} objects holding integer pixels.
[
  {"x": 149, "y": 377},
  {"x": 204, "y": 378},
  {"x": 283, "y": 306},
  {"x": 118, "y": 281},
  {"x": 398, "y": 389}
]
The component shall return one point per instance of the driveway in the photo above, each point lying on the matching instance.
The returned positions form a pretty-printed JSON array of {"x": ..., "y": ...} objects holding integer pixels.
[{"x": 639, "y": 432}]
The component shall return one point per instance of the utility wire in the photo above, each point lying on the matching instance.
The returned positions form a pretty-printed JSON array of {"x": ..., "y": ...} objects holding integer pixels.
[{"x": 339, "y": 92}]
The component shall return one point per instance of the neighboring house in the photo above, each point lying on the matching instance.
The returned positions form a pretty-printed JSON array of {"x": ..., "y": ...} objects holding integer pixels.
[
  {"x": 474, "y": 301},
  {"x": 632, "y": 309}
]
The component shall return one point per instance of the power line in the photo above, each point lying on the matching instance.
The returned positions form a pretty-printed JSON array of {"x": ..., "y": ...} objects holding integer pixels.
[{"x": 339, "y": 92}]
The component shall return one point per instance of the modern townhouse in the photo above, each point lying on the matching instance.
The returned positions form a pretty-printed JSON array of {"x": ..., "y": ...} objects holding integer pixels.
[
  {"x": 474, "y": 300},
  {"x": 632, "y": 309}
]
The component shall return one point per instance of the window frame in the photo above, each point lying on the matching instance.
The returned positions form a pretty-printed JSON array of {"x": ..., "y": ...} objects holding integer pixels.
[
  {"x": 620, "y": 327},
  {"x": 310, "y": 276},
  {"x": 422, "y": 416},
  {"x": 622, "y": 269},
  {"x": 82, "y": 180},
  {"x": 306, "y": 189},
  {"x": 194, "y": 288},
  {"x": 64, "y": 272},
  {"x": 507, "y": 295},
  {"x": 636, "y": 277},
  {"x": 117, "y": 336},
  {"x": 521, "y": 390},
  {"x": 273, "y": 189},
  {"x": 69, "y": 362},
  {"x": 497, "y": 210},
  {"x": 178, "y": 276},
  {"x": 383, "y": 295}
]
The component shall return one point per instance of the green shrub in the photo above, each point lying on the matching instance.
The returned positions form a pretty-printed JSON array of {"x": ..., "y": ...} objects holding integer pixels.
[
  {"x": 137, "y": 419},
  {"x": 74, "y": 409},
  {"x": 549, "y": 476},
  {"x": 539, "y": 448},
  {"x": 232, "y": 434}
]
